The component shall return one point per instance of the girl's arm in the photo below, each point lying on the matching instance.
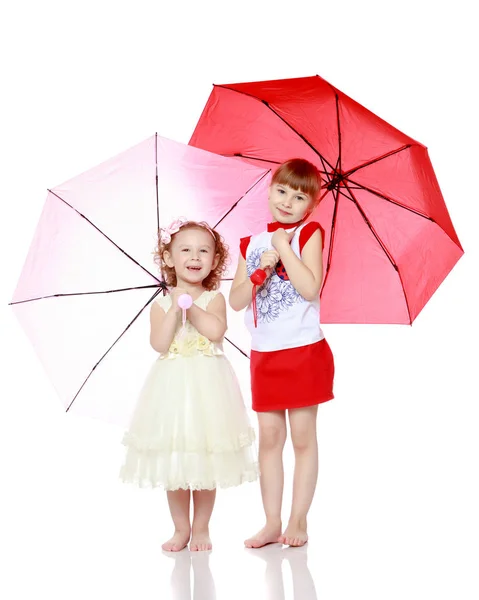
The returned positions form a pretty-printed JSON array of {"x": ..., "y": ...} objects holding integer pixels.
[
  {"x": 210, "y": 322},
  {"x": 305, "y": 274},
  {"x": 162, "y": 327},
  {"x": 241, "y": 288}
]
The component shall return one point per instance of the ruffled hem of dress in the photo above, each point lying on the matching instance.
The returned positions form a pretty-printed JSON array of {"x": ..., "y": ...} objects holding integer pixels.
[
  {"x": 243, "y": 440},
  {"x": 246, "y": 477}
]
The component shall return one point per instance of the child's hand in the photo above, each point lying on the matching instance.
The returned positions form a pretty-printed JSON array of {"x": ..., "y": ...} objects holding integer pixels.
[
  {"x": 281, "y": 239},
  {"x": 269, "y": 260},
  {"x": 175, "y": 294}
]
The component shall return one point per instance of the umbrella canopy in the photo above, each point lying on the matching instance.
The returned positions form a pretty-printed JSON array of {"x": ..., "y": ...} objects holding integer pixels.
[
  {"x": 389, "y": 240},
  {"x": 89, "y": 275}
]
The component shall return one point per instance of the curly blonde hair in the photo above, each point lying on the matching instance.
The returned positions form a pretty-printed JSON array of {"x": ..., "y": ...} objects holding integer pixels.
[{"x": 213, "y": 280}]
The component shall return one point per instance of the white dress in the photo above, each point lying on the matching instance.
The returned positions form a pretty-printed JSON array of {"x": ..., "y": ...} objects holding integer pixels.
[{"x": 190, "y": 428}]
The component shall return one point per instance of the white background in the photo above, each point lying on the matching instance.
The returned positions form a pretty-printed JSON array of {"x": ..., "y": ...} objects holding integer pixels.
[{"x": 395, "y": 513}]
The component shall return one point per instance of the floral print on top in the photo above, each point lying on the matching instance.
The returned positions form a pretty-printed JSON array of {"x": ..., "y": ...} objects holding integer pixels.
[{"x": 276, "y": 295}]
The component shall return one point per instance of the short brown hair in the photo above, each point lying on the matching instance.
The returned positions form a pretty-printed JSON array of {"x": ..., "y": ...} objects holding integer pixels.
[
  {"x": 213, "y": 280},
  {"x": 300, "y": 174}
]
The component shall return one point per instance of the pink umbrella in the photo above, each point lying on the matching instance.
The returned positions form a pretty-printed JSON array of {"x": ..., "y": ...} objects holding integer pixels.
[{"x": 89, "y": 276}]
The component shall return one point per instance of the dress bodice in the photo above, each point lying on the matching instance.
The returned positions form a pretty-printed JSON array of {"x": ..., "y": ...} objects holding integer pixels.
[{"x": 187, "y": 340}]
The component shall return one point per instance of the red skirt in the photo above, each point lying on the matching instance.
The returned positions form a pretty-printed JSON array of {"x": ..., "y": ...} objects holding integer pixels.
[{"x": 292, "y": 378}]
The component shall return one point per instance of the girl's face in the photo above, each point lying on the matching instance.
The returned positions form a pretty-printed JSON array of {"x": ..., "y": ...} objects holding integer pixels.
[
  {"x": 192, "y": 255},
  {"x": 286, "y": 204}
]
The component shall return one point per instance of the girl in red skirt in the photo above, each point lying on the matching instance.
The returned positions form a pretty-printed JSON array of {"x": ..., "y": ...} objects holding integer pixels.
[{"x": 292, "y": 366}]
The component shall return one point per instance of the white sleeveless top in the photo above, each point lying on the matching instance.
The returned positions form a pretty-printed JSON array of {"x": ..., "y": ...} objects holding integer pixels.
[{"x": 285, "y": 318}]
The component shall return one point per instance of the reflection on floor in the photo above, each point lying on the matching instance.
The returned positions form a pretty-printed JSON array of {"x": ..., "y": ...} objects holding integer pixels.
[{"x": 273, "y": 556}]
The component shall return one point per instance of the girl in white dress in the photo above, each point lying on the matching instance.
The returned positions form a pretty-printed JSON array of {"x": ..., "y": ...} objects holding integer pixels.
[{"x": 190, "y": 432}]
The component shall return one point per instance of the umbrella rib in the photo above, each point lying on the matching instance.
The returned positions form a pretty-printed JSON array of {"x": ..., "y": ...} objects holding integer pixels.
[
  {"x": 331, "y": 239},
  {"x": 405, "y": 297},
  {"x": 377, "y": 159},
  {"x": 274, "y": 162},
  {"x": 156, "y": 184},
  {"x": 339, "y": 134},
  {"x": 323, "y": 196},
  {"x": 237, "y": 348},
  {"x": 369, "y": 224},
  {"x": 381, "y": 244},
  {"x": 238, "y": 154},
  {"x": 300, "y": 135},
  {"x": 161, "y": 285},
  {"x": 339, "y": 161},
  {"x": 338, "y": 166},
  {"x": 398, "y": 204},
  {"x": 114, "y": 343},
  {"x": 239, "y": 199},
  {"x": 102, "y": 233},
  {"x": 360, "y": 186},
  {"x": 323, "y": 160}
]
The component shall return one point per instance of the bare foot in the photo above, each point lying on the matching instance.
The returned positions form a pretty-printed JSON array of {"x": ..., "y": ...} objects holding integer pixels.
[
  {"x": 268, "y": 535},
  {"x": 177, "y": 542},
  {"x": 200, "y": 541},
  {"x": 294, "y": 535}
]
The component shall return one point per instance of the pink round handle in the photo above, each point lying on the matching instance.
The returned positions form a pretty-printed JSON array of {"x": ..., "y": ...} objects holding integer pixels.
[{"x": 185, "y": 301}]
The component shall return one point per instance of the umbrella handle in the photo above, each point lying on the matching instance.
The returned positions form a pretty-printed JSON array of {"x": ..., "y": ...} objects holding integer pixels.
[
  {"x": 258, "y": 277},
  {"x": 185, "y": 302}
]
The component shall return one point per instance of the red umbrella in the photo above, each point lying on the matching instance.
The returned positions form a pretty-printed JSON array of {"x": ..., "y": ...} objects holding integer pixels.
[{"x": 389, "y": 240}]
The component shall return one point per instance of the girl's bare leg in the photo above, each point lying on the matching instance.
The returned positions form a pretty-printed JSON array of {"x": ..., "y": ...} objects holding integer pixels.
[
  {"x": 272, "y": 436},
  {"x": 303, "y": 434},
  {"x": 203, "y": 501},
  {"x": 179, "y": 503}
]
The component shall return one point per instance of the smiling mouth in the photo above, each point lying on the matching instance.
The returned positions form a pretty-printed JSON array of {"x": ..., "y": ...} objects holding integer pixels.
[
  {"x": 283, "y": 212},
  {"x": 194, "y": 268}
]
